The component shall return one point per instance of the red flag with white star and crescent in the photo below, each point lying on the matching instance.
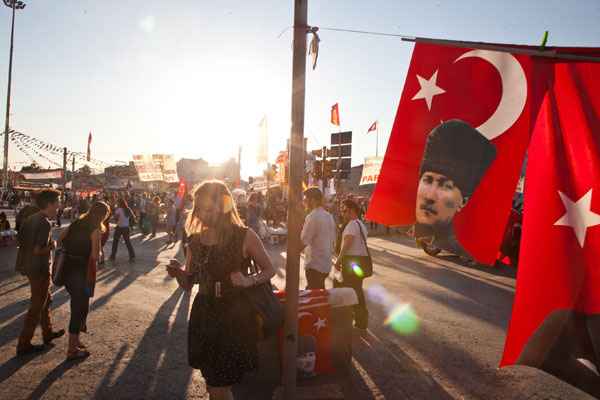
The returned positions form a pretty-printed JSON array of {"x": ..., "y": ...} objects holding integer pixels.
[
  {"x": 314, "y": 332},
  {"x": 493, "y": 95},
  {"x": 555, "y": 322}
]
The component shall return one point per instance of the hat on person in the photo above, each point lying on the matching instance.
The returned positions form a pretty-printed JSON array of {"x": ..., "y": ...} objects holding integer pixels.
[{"x": 460, "y": 152}]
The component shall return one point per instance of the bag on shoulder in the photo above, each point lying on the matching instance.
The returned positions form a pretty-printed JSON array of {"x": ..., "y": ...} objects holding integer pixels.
[
  {"x": 268, "y": 307},
  {"x": 58, "y": 267}
]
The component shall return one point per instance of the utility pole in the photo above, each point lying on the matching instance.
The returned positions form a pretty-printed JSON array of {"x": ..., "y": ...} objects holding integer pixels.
[
  {"x": 295, "y": 214},
  {"x": 14, "y": 4},
  {"x": 323, "y": 168},
  {"x": 64, "y": 173}
]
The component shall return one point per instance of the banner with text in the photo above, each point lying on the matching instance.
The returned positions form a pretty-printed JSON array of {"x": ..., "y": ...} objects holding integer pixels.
[{"x": 370, "y": 172}]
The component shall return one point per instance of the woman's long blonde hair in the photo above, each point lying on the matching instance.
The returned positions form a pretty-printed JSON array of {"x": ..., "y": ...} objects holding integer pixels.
[
  {"x": 218, "y": 192},
  {"x": 97, "y": 214}
]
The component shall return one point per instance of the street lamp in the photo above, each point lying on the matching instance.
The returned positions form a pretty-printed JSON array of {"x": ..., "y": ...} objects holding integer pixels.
[{"x": 15, "y": 5}]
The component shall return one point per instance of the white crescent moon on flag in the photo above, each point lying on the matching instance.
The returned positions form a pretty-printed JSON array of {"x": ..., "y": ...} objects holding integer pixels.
[
  {"x": 514, "y": 91},
  {"x": 302, "y": 314}
]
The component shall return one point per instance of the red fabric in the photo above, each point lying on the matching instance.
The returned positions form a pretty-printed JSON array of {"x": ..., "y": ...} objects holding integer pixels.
[
  {"x": 313, "y": 307},
  {"x": 335, "y": 114},
  {"x": 181, "y": 191},
  {"x": 555, "y": 270},
  {"x": 472, "y": 92}
]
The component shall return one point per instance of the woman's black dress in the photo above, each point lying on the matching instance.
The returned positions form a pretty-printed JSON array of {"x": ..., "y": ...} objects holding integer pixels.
[{"x": 222, "y": 335}]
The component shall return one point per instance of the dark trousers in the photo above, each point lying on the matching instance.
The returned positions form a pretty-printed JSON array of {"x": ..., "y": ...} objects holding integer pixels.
[
  {"x": 361, "y": 314},
  {"x": 75, "y": 283},
  {"x": 115, "y": 245},
  {"x": 315, "y": 279},
  {"x": 39, "y": 311},
  {"x": 154, "y": 223}
]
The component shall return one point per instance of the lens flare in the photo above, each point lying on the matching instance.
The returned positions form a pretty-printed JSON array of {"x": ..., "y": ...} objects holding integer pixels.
[
  {"x": 357, "y": 270},
  {"x": 401, "y": 317},
  {"x": 403, "y": 320}
]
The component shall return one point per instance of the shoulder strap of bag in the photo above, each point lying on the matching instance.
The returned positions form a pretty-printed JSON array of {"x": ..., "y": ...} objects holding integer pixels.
[{"x": 362, "y": 235}]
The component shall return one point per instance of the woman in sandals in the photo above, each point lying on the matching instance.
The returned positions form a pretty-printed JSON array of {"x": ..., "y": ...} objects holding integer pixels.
[
  {"x": 81, "y": 242},
  {"x": 223, "y": 326}
]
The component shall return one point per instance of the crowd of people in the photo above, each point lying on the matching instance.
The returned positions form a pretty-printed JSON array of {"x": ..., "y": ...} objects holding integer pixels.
[{"x": 222, "y": 249}]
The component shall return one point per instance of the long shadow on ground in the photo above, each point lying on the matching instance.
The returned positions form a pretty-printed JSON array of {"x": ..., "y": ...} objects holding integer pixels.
[{"x": 158, "y": 369}]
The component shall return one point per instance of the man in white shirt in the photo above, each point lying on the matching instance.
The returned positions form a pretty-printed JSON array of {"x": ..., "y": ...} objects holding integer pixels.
[
  {"x": 354, "y": 244},
  {"x": 318, "y": 237}
]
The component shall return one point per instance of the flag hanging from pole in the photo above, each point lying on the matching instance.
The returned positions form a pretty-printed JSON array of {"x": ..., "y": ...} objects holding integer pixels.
[
  {"x": 452, "y": 164},
  {"x": 335, "y": 114},
  {"x": 555, "y": 323},
  {"x": 89, "y": 147},
  {"x": 262, "y": 154},
  {"x": 373, "y": 127}
]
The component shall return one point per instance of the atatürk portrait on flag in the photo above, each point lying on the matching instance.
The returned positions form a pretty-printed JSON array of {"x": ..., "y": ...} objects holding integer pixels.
[{"x": 455, "y": 159}]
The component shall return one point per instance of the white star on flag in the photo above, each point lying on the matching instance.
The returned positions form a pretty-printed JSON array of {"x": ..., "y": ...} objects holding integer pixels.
[
  {"x": 321, "y": 323},
  {"x": 578, "y": 215},
  {"x": 429, "y": 88}
]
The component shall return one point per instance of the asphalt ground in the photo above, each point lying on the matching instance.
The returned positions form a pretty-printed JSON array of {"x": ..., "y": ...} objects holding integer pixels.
[{"x": 443, "y": 341}]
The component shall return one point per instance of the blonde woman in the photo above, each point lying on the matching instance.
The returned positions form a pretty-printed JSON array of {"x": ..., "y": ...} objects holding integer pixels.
[{"x": 223, "y": 330}]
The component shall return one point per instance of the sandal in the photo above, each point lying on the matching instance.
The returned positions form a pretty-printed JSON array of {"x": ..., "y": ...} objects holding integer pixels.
[
  {"x": 77, "y": 355},
  {"x": 81, "y": 346}
]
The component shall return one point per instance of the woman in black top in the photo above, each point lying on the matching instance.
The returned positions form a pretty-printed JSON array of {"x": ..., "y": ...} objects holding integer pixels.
[
  {"x": 81, "y": 242},
  {"x": 223, "y": 327}
]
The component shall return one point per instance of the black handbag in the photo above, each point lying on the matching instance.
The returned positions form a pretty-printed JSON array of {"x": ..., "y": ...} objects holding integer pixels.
[
  {"x": 267, "y": 305},
  {"x": 358, "y": 266}
]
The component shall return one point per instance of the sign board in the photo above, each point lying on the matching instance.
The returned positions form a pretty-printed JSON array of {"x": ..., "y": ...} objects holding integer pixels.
[
  {"x": 346, "y": 137},
  {"x": 156, "y": 167},
  {"x": 334, "y": 151},
  {"x": 344, "y": 164},
  {"x": 43, "y": 175},
  {"x": 371, "y": 169},
  {"x": 165, "y": 163}
]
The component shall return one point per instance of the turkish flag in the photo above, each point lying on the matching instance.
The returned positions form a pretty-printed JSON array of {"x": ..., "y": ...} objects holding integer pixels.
[
  {"x": 314, "y": 332},
  {"x": 373, "y": 127},
  {"x": 335, "y": 114},
  {"x": 555, "y": 323},
  {"x": 493, "y": 97}
]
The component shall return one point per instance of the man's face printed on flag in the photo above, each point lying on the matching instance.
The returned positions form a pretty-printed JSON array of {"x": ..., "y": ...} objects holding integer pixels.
[{"x": 438, "y": 199}]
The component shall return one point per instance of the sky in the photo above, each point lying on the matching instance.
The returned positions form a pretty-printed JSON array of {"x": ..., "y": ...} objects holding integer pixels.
[{"x": 194, "y": 78}]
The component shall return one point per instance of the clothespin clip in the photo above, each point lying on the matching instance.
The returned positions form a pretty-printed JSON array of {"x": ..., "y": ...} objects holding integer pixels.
[{"x": 544, "y": 41}]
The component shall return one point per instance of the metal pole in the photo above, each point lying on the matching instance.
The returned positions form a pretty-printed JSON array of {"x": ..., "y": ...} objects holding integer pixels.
[
  {"x": 64, "y": 172},
  {"x": 7, "y": 120},
  {"x": 295, "y": 214},
  {"x": 377, "y": 140}
]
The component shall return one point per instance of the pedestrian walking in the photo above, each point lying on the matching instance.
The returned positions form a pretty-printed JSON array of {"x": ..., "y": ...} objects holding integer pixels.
[
  {"x": 152, "y": 212},
  {"x": 105, "y": 234},
  {"x": 33, "y": 261},
  {"x": 223, "y": 329},
  {"x": 252, "y": 212},
  {"x": 82, "y": 242},
  {"x": 4, "y": 224},
  {"x": 123, "y": 216},
  {"x": 318, "y": 237},
  {"x": 354, "y": 247},
  {"x": 171, "y": 222}
]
